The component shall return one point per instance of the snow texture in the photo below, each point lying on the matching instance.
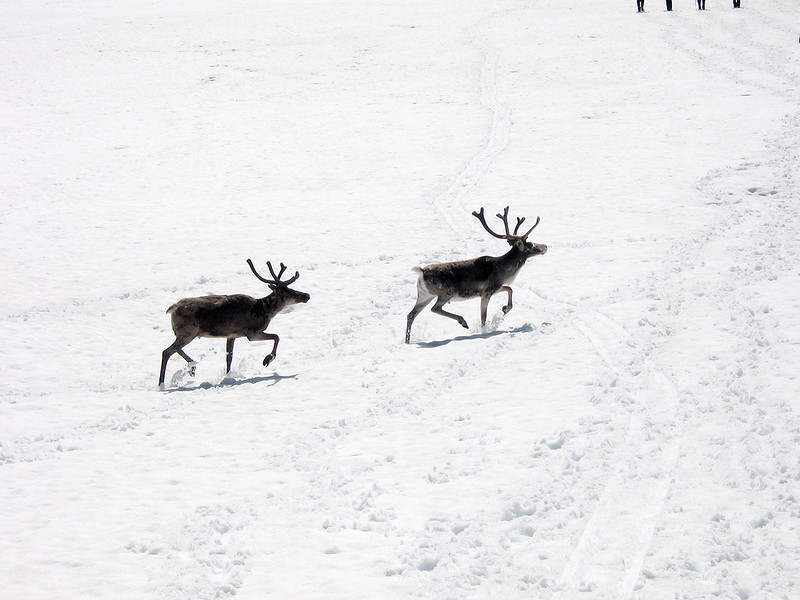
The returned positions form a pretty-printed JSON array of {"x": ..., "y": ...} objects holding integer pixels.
[{"x": 628, "y": 431}]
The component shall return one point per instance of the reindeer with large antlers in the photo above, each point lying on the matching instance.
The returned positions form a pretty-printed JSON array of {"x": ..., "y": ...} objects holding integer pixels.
[
  {"x": 230, "y": 317},
  {"x": 483, "y": 276}
]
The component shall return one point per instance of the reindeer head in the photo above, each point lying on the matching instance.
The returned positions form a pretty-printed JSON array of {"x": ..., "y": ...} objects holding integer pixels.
[
  {"x": 281, "y": 288},
  {"x": 516, "y": 241}
]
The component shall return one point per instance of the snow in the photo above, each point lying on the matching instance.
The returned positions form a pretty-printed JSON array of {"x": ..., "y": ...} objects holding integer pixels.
[{"x": 629, "y": 430}]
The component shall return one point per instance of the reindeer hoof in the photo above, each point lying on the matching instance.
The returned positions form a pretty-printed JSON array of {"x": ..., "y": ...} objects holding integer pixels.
[
  {"x": 268, "y": 359},
  {"x": 463, "y": 322},
  {"x": 506, "y": 308},
  {"x": 192, "y": 369}
]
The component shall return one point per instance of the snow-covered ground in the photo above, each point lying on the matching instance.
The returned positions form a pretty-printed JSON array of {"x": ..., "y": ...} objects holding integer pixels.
[{"x": 630, "y": 430}]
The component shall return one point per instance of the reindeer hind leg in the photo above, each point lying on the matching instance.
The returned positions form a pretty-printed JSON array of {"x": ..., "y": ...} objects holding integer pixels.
[
  {"x": 164, "y": 358},
  {"x": 184, "y": 356},
  {"x": 190, "y": 361},
  {"x": 175, "y": 348},
  {"x": 422, "y": 302},
  {"x": 437, "y": 308}
]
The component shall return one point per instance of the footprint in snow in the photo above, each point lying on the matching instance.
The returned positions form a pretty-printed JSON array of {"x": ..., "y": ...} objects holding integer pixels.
[{"x": 761, "y": 191}]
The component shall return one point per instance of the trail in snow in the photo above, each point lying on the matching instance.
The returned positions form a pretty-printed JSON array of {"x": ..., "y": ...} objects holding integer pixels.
[
  {"x": 671, "y": 408},
  {"x": 610, "y": 556},
  {"x": 451, "y": 202}
]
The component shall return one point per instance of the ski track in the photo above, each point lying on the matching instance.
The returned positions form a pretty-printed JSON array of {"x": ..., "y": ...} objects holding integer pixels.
[
  {"x": 450, "y": 203},
  {"x": 617, "y": 534},
  {"x": 608, "y": 559},
  {"x": 753, "y": 234},
  {"x": 709, "y": 42}
]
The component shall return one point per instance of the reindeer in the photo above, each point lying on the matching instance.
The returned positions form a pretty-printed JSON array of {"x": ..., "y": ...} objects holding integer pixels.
[
  {"x": 483, "y": 276},
  {"x": 230, "y": 317}
]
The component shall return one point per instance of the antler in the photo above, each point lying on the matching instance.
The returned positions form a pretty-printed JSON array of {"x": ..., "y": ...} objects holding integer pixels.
[
  {"x": 480, "y": 216},
  {"x": 276, "y": 279},
  {"x": 527, "y": 233},
  {"x": 504, "y": 218},
  {"x": 278, "y": 276}
]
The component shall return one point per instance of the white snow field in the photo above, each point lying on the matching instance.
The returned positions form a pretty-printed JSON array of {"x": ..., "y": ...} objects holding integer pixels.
[{"x": 630, "y": 430}]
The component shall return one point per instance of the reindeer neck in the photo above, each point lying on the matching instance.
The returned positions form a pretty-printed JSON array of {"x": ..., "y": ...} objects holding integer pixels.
[
  {"x": 513, "y": 259},
  {"x": 272, "y": 304}
]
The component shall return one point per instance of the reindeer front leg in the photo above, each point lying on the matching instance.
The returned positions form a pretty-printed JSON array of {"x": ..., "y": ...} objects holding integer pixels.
[
  {"x": 484, "y": 308},
  {"x": 508, "y": 306},
  {"x": 229, "y": 354},
  {"x": 485, "y": 304},
  {"x": 264, "y": 336}
]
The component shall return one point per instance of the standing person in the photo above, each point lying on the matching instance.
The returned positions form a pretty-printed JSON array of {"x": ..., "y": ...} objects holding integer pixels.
[
  {"x": 640, "y": 5},
  {"x": 669, "y": 4},
  {"x": 737, "y": 3},
  {"x": 701, "y": 4}
]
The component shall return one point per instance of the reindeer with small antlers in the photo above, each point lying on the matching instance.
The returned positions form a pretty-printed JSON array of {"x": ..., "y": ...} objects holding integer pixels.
[
  {"x": 230, "y": 317},
  {"x": 483, "y": 276}
]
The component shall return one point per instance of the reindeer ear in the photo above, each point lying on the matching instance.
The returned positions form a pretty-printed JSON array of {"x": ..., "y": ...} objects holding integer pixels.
[{"x": 273, "y": 287}]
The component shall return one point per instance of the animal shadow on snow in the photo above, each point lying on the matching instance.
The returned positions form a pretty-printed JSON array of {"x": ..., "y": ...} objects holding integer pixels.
[
  {"x": 527, "y": 328},
  {"x": 231, "y": 382}
]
